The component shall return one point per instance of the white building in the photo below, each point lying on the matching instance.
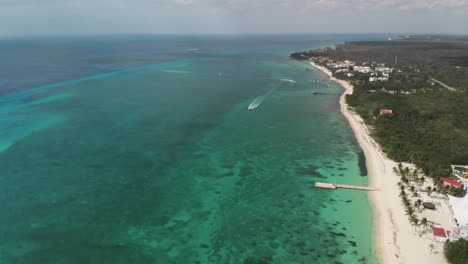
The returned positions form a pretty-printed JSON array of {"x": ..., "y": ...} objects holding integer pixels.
[
  {"x": 342, "y": 70},
  {"x": 461, "y": 172},
  {"x": 384, "y": 69},
  {"x": 362, "y": 69},
  {"x": 351, "y": 63},
  {"x": 460, "y": 212},
  {"x": 378, "y": 79},
  {"x": 343, "y": 65}
]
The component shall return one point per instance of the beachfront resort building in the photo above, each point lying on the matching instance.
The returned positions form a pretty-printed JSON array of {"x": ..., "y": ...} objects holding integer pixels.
[
  {"x": 377, "y": 71},
  {"x": 460, "y": 212},
  {"x": 378, "y": 79},
  {"x": 439, "y": 234},
  {"x": 384, "y": 111},
  {"x": 459, "y": 205},
  {"x": 362, "y": 69},
  {"x": 461, "y": 172},
  {"x": 451, "y": 182},
  {"x": 384, "y": 70},
  {"x": 342, "y": 70}
]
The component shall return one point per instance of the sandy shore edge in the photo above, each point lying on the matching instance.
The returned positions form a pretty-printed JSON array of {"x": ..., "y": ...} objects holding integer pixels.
[{"x": 395, "y": 240}]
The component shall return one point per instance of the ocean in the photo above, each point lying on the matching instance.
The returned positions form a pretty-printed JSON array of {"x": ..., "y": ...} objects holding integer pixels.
[{"x": 142, "y": 149}]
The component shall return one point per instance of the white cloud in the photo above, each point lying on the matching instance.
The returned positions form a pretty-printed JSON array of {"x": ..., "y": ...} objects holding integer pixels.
[
  {"x": 454, "y": 5},
  {"x": 232, "y": 15}
]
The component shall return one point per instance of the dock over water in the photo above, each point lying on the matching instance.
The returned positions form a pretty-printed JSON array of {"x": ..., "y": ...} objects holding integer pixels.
[{"x": 333, "y": 186}]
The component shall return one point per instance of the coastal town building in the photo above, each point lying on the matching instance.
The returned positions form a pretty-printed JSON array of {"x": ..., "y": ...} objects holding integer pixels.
[
  {"x": 342, "y": 70},
  {"x": 384, "y": 111},
  {"x": 459, "y": 207},
  {"x": 461, "y": 172},
  {"x": 384, "y": 69},
  {"x": 339, "y": 64},
  {"x": 451, "y": 182},
  {"x": 377, "y": 71},
  {"x": 378, "y": 79},
  {"x": 439, "y": 233},
  {"x": 362, "y": 69}
]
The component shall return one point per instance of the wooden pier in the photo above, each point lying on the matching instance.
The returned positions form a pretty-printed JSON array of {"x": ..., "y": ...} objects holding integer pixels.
[{"x": 333, "y": 186}]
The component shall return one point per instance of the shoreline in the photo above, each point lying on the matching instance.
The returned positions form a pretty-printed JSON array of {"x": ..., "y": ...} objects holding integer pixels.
[{"x": 395, "y": 240}]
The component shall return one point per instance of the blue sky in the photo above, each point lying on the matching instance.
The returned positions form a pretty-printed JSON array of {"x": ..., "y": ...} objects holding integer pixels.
[{"x": 27, "y": 17}]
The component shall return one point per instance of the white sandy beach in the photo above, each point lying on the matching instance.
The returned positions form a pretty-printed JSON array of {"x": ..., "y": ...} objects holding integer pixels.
[{"x": 395, "y": 239}]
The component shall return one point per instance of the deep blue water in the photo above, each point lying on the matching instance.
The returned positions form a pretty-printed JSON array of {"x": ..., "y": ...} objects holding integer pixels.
[{"x": 28, "y": 63}]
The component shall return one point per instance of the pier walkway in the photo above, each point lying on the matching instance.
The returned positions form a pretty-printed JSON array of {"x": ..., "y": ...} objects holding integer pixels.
[{"x": 332, "y": 186}]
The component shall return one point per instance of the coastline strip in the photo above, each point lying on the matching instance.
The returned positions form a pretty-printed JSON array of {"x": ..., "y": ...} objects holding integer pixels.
[{"x": 395, "y": 239}]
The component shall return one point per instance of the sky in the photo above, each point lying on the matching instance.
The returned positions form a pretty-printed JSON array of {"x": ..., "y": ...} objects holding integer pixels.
[{"x": 56, "y": 17}]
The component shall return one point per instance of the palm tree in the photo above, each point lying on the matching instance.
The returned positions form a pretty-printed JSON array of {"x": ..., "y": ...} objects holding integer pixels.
[
  {"x": 418, "y": 203},
  {"x": 429, "y": 190},
  {"x": 424, "y": 222},
  {"x": 404, "y": 179},
  {"x": 414, "y": 220},
  {"x": 402, "y": 187},
  {"x": 406, "y": 202},
  {"x": 409, "y": 211},
  {"x": 422, "y": 179},
  {"x": 407, "y": 171},
  {"x": 403, "y": 193},
  {"x": 414, "y": 175},
  {"x": 431, "y": 247}
]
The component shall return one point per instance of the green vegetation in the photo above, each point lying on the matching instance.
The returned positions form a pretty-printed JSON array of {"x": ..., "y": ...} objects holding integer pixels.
[
  {"x": 429, "y": 128},
  {"x": 456, "y": 252},
  {"x": 430, "y": 123}
]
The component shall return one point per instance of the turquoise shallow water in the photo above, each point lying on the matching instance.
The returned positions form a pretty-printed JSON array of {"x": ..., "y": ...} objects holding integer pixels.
[{"x": 165, "y": 164}]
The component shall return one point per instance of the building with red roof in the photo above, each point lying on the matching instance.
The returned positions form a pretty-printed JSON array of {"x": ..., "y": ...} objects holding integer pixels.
[
  {"x": 451, "y": 182},
  {"x": 439, "y": 234},
  {"x": 384, "y": 111}
]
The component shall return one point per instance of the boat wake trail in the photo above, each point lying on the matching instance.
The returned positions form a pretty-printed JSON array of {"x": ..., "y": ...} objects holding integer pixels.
[
  {"x": 259, "y": 100},
  {"x": 256, "y": 102},
  {"x": 288, "y": 80}
]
